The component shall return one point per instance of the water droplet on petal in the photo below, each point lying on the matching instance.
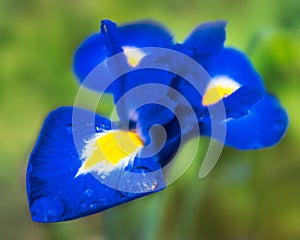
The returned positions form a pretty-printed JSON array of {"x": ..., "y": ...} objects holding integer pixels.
[
  {"x": 47, "y": 209},
  {"x": 101, "y": 127},
  {"x": 135, "y": 182},
  {"x": 103, "y": 176},
  {"x": 83, "y": 204},
  {"x": 69, "y": 128},
  {"x": 278, "y": 126},
  {"x": 187, "y": 128},
  {"x": 88, "y": 192},
  {"x": 89, "y": 124},
  {"x": 94, "y": 204}
]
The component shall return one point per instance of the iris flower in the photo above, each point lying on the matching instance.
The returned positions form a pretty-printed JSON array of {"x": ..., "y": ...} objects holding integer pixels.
[{"x": 83, "y": 163}]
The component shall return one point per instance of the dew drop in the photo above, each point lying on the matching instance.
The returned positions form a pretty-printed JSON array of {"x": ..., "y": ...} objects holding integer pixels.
[
  {"x": 89, "y": 124},
  {"x": 47, "y": 209},
  {"x": 83, "y": 204},
  {"x": 278, "y": 126},
  {"x": 149, "y": 185},
  {"x": 140, "y": 180},
  {"x": 187, "y": 128},
  {"x": 88, "y": 192},
  {"x": 34, "y": 213},
  {"x": 101, "y": 127},
  {"x": 103, "y": 176},
  {"x": 94, "y": 204},
  {"x": 69, "y": 128}
]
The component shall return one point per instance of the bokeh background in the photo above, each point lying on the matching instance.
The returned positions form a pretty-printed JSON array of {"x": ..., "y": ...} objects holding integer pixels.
[{"x": 248, "y": 196}]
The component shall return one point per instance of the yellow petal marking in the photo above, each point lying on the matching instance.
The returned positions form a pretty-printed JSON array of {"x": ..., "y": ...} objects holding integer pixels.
[
  {"x": 109, "y": 149},
  {"x": 133, "y": 55},
  {"x": 219, "y": 88}
]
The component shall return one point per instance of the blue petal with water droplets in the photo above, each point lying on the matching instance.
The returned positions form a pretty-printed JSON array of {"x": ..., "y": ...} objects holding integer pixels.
[
  {"x": 208, "y": 38},
  {"x": 235, "y": 65},
  {"x": 54, "y": 193},
  {"x": 263, "y": 126},
  {"x": 98, "y": 47},
  {"x": 235, "y": 105}
]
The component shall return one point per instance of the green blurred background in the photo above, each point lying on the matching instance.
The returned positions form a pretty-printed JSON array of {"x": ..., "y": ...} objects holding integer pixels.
[{"x": 248, "y": 196}]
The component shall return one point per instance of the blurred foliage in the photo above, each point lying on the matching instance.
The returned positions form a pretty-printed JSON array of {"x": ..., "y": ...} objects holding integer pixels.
[{"x": 249, "y": 195}]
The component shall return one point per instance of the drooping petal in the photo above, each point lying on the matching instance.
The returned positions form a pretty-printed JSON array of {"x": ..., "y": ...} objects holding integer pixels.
[
  {"x": 263, "y": 126},
  {"x": 230, "y": 71},
  {"x": 112, "y": 39},
  {"x": 235, "y": 105},
  {"x": 61, "y": 185},
  {"x": 231, "y": 64},
  {"x": 208, "y": 38}
]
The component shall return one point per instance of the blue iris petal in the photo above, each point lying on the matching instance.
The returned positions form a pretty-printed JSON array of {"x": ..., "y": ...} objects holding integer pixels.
[
  {"x": 90, "y": 53},
  {"x": 145, "y": 34},
  {"x": 238, "y": 103},
  {"x": 189, "y": 92},
  {"x": 162, "y": 139},
  {"x": 98, "y": 47},
  {"x": 208, "y": 38},
  {"x": 54, "y": 193},
  {"x": 141, "y": 87},
  {"x": 57, "y": 187},
  {"x": 263, "y": 126},
  {"x": 233, "y": 64},
  {"x": 150, "y": 115}
]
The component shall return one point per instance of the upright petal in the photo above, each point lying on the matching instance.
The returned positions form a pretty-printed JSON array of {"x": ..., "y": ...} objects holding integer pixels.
[
  {"x": 145, "y": 34},
  {"x": 89, "y": 54},
  {"x": 58, "y": 186},
  {"x": 208, "y": 38},
  {"x": 233, "y": 65},
  {"x": 139, "y": 88},
  {"x": 112, "y": 39}
]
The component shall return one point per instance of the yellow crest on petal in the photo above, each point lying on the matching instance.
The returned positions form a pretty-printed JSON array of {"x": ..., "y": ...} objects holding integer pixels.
[
  {"x": 134, "y": 55},
  {"x": 106, "y": 150},
  {"x": 219, "y": 88}
]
